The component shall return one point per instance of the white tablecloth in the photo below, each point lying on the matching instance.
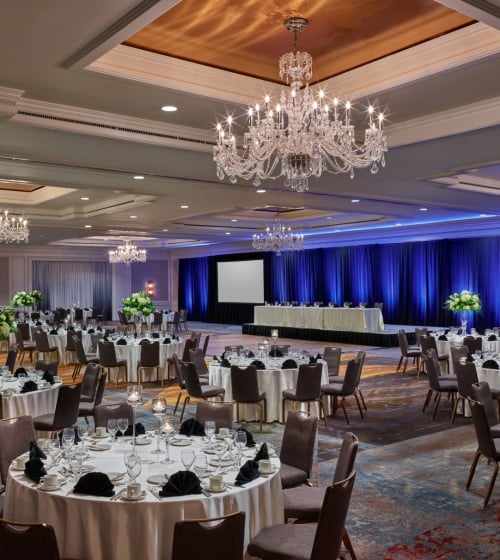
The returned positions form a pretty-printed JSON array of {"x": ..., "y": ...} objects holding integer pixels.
[
  {"x": 443, "y": 346},
  {"x": 34, "y": 403},
  {"x": 355, "y": 319},
  {"x": 132, "y": 353},
  {"x": 94, "y": 528},
  {"x": 492, "y": 376},
  {"x": 273, "y": 381}
]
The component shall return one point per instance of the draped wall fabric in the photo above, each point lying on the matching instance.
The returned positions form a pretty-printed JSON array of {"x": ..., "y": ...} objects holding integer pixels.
[
  {"x": 65, "y": 284},
  {"x": 413, "y": 280}
]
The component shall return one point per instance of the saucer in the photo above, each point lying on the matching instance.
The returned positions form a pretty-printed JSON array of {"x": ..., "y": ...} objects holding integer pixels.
[
  {"x": 142, "y": 441},
  {"x": 223, "y": 462},
  {"x": 7, "y": 393},
  {"x": 100, "y": 446},
  {"x": 138, "y": 499},
  {"x": 268, "y": 473},
  {"x": 95, "y": 436},
  {"x": 50, "y": 488},
  {"x": 211, "y": 490},
  {"x": 181, "y": 442},
  {"x": 114, "y": 476},
  {"x": 158, "y": 479},
  {"x": 16, "y": 468}
]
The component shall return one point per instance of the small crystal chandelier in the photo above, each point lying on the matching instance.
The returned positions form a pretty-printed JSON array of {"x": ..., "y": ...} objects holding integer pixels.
[
  {"x": 302, "y": 136},
  {"x": 278, "y": 238},
  {"x": 127, "y": 253},
  {"x": 13, "y": 229}
]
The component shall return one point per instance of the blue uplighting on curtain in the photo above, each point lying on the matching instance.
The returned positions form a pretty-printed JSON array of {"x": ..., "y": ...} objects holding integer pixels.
[{"x": 193, "y": 276}]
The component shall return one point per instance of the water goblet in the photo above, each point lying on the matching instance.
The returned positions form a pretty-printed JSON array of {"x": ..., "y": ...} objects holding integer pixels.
[
  {"x": 187, "y": 458},
  {"x": 210, "y": 430},
  {"x": 22, "y": 377},
  {"x": 68, "y": 438},
  {"x": 240, "y": 441},
  {"x": 123, "y": 426},
  {"x": 83, "y": 432},
  {"x": 133, "y": 463},
  {"x": 112, "y": 428},
  {"x": 200, "y": 464},
  {"x": 54, "y": 450}
]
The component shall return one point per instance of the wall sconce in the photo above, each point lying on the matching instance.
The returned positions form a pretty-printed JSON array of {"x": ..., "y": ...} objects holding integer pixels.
[{"x": 150, "y": 288}]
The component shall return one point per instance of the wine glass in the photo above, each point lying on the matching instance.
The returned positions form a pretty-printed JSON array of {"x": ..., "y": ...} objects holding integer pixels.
[
  {"x": 123, "y": 426},
  {"x": 187, "y": 458},
  {"x": 22, "y": 377},
  {"x": 159, "y": 407},
  {"x": 112, "y": 428},
  {"x": 200, "y": 464},
  {"x": 68, "y": 438},
  {"x": 240, "y": 441},
  {"x": 210, "y": 430},
  {"x": 133, "y": 463},
  {"x": 83, "y": 432},
  {"x": 54, "y": 450},
  {"x": 75, "y": 461}
]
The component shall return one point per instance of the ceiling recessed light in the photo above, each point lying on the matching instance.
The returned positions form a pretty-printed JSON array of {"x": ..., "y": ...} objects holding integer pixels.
[
  {"x": 165, "y": 230},
  {"x": 355, "y": 200},
  {"x": 169, "y": 108},
  {"x": 138, "y": 177},
  {"x": 234, "y": 220},
  {"x": 228, "y": 233},
  {"x": 184, "y": 206},
  {"x": 84, "y": 198},
  {"x": 132, "y": 217},
  {"x": 260, "y": 191},
  {"x": 328, "y": 217},
  {"x": 423, "y": 209},
  {"x": 88, "y": 226}
]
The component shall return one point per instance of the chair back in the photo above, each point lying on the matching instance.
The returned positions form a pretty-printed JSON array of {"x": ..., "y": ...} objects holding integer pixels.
[
  {"x": 483, "y": 433},
  {"x": 466, "y": 376},
  {"x": 457, "y": 352},
  {"x": 178, "y": 371},
  {"x": 157, "y": 318},
  {"x": 332, "y": 517},
  {"x": 205, "y": 344},
  {"x": 25, "y": 330},
  {"x": 347, "y": 456},
  {"x": 428, "y": 342},
  {"x": 196, "y": 335},
  {"x": 481, "y": 392},
  {"x": 245, "y": 387},
  {"x": 191, "y": 379},
  {"x": 150, "y": 354},
  {"x": 331, "y": 356},
  {"x": 70, "y": 336},
  {"x": 351, "y": 377},
  {"x": 15, "y": 438},
  {"x": 190, "y": 344},
  {"x": 210, "y": 539},
  {"x": 78, "y": 314},
  {"x": 47, "y": 365},
  {"x": 419, "y": 333},
  {"x": 309, "y": 381},
  {"x": 379, "y": 305},
  {"x": 10, "y": 361},
  {"x": 473, "y": 343},
  {"x": 89, "y": 382},
  {"x": 42, "y": 341},
  {"x": 220, "y": 412},
  {"x": 25, "y": 541},
  {"x": 403, "y": 342},
  {"x": 107, "y": 354},
  {"x": 432, "y": 368},
  {"x": 94, "y": 339},
  {"x": 19, "y": 340},
  {"x": 299, "y": 438},
  {"x": 103, "y": 412},
  {"x": 67, "y": 406},
  {"x": 101, "y": 386},
  {"x": 79, "y": 351},
  {"x": 197, "y": 357}
]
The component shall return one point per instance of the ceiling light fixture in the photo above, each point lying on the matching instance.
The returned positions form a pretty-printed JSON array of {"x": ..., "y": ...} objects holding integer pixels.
[
  {"x": 278, "y": 238},
  {"x": 13, "y": 229},
  {"x": 127, "y": 253},
  {"x": 302, "y": 136}
]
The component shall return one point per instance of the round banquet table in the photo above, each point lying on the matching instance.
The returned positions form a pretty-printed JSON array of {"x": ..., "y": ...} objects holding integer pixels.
[
  {"x": 272, "y": 380},
  {"x": 443, "y": 346},
  {"x": 98, "y": 528},
  {"x": 34, "y": 403}
]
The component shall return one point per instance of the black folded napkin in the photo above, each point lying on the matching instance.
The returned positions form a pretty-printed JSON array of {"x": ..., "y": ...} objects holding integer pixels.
[
  {"x": 313, "y": 360},
  {"x": 289, "y": 364},
  {"x": 105, "y": 339},
  {"x": 262, "y": 453},
  {"x": 318, "y": 356},
  {"x": 277, "y": 353},
  {"x": 259, "y": 364},
  {"x": 19, "y": 370},
  {"x": 29, "y": 386},
  {"x": 121, "y": 342},
  {"x": 174, "y": 337},
  {"x": 192, "y": 427},
  {"x": 250, "y": 440},
  {"x": 53, "y": 331},
  {"x": 95, "y": 484},
  {"x": 144, "y": 341},
  {"x": 216, "y": 359},
  {"x": 225, "y": 363},
  {"x": 248, "y": 472},
  {"x": 86, "y": 309},
  {"x": 34, "y": 469},
  {"x": 251, "y": 354},
  {"x": 181, "y": 483},
  {"x": 38, "y": 323},
  {"x": 140, "y": 430},
  {"x": 47, "y": 376},
  {"x": 442, "y": 337},
  {"x": 155, "y": 335},
  {"x": 492, "y": 337},
  {"x": 490, "y": 364},
  {"x": 70, "y": 329},
  {"x": 90, "y": 331},
  {"x": 78, "y": 439},
  {"x": 166, "y": 341},
  {"x": 469, "y": 358},
  {"x": 35, "y": 451}
]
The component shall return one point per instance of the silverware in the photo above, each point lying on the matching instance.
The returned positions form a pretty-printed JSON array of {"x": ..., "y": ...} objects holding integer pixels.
[
  {"x": 155, "y": 495},
  {"x": 117, "y": 495},
  {"x": 205, "y": 492}
]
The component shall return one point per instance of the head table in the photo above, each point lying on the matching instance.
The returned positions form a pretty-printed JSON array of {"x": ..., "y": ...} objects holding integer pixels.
[{"x": 99, "y": 528}]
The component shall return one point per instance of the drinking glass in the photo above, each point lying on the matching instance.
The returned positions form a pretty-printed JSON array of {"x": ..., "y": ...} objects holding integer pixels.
[
  {"x": 83, "y": 432},
  {"x": 21, "y": 377},
  {"x": 123, "y": 425},
  {"x": 240, "y": 441},
  {"x": 187, "y": 458},
  {"x": 68, "y": 438},
  {"x": 200, "y": 464},
  {"x": 75, "y": 461},
  {"x": 54, "y": 450},
  {"x": 112, "y": 428},
  {"x": 159, "y": 407},
  {"x": 210, "y": 430},
  {"x": 133, "y": 463}
]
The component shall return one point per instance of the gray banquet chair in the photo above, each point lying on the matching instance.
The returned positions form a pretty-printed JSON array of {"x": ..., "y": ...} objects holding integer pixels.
[
  {"x": 103, "y": 412},
  {"x": 245, "y": 389},
  {"x": 407, "y": 352},
  {"x": 220, "y": 412},
  {"x": 108, "y": 360},
  {"x": 82, "y": 358},
  {"x": 149, "y": 359},
  {"x": 195, "y": 389},
  {"x": 66, "y": 411},
  {"x": 307, "y": 390},
  {"x": 438, "y": 383}
]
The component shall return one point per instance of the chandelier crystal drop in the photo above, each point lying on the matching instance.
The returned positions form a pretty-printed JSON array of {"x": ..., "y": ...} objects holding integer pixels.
[
  {"x": 278, "y": 238},
  {"x": 126, "y": 254},
  {"x": 13, "y": 229},
  {"x": 302, "y": 135}
]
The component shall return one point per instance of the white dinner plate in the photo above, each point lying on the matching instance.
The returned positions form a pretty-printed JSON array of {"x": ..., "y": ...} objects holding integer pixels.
[
  {"x": 114, "y": 476},
  {"x": 181, "y": 442},
  {"x": 159, "y": 479},
  {"x": 142, "y": 441},
  {"x": 223, "y": 462},
  {"x": 100, "y": 446}
]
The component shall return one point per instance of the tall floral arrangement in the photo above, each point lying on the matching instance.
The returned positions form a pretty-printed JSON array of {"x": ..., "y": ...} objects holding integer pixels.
[
  {"x": 137, "y": 303},
  {"x": 7, "y": 325},
  {"x": 37, "y": 295},
  {"x": 25, "y": 299},
  {"x": 463, "y": 301}
]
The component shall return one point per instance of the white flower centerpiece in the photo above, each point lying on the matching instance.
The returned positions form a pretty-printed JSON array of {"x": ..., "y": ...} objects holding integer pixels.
[
  {"x": 138, "y": 305},
  {"x": 7, "y": 322},
  {"x": 463, "y": 303},
  {"x": 24, "y": 301}
]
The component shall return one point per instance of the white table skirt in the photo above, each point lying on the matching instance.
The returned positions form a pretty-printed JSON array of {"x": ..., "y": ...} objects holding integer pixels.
[
  {"x": 94, "y": 528},
  {"x": 356, "y": 319},
  {"x": 443, "y": 346},
  {"x": 273, "y": 381},
  {"x": 132, "y": 353},
  {"x": 34, "y": 403}
]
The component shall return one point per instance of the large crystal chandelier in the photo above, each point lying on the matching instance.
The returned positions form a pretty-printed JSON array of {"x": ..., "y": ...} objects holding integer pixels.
[
  {"x": 127, "y": 253},
  {"x": 278, "y": 238},
  {"x": 302, "y": 135},
  {"x": 13, "y": 229}
]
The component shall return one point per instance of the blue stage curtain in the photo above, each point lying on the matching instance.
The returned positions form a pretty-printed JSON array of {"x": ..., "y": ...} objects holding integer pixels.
[
  {"x": 413, "y": 280},
  {"x": 193, "y": 277}
]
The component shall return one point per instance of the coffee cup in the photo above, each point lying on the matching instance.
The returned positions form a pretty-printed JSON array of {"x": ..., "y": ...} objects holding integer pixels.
[
  {"x": 100, "y": 431},
  {"x": 265, "y": 466},
  {"x": 216, "y": 482},
  {"x": 44, "y": 443},
  {"x": 21, "y": 461},
  {"x": 49, "y": 481},
  {"x": 224, "y": 432},
  {"x": 134, "y": 491}
]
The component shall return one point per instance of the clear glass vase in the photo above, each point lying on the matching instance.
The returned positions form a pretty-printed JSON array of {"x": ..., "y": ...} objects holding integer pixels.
[{"x": 464, "y": 317}]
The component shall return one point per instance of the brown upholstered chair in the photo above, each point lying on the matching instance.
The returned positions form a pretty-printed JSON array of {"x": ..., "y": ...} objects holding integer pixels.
[
  {"x": 194, "y": 388},
  {"x": 149, "y": 359},
  {"x": 429, "y": 343},
  {"x": 482, "y": 393},
  {"x": 331, "y": 355},
  {"x": 87, "y": 409},
  {"x": 456, "y": 353},
  {"x": 25, "y": 541},
  {"x": 43, "y": 346},
  {"x": 47, "y": 365},
  {"x": 89, "y": 383},
  {"x": 473, "y": 343},
  {"x": 466, "y": 377},
  {"x": 210, "y": 539},
  {"x": 438, "y": 383},
  {"x": 15, "y": 438},
  {"x": 297, "y": 448},
  {"x": 70, "y": 345},
  {"x": 309, "y": 541},
  {"x": 24, "y": 347},
  {"x": 245, "y": 389},
  {"x": 197, "y": 357},
  {"x": 66, "y": 411},
  {"x": 108, "y": 360},
  {"x": 103, "y": 412},
  {"x": 82, "y": 359},
  {"x": 10, "y": 360},
  {"x": 407, "y": 352},
  {"x": 307, "y": 390},
  {"x": 220, "y": 412}
]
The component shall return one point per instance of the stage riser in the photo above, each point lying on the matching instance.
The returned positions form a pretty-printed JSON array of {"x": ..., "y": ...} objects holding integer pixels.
[{"x": 385, "y": 340}]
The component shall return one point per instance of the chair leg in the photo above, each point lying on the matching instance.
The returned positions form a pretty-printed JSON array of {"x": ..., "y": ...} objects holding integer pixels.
[
  {"x": 345, "y": 411},
  {"x": 348, "y": 544},
  {"x": 186, "y": 401},
  {"x": 436, "y": 406},
  {"x": 427, "y": 399},
  {"x": 362, "y": 398},
  {"x": 400, "y": 362},
  {"x": 472, "y": 469},
  {"x": 406, "y": 364},
  {"x": 178, "y": 401},
  {"x": 455, "y": 406},
  {"x": 492, "y": 484},
  {"x": 359, "y": 405}
]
